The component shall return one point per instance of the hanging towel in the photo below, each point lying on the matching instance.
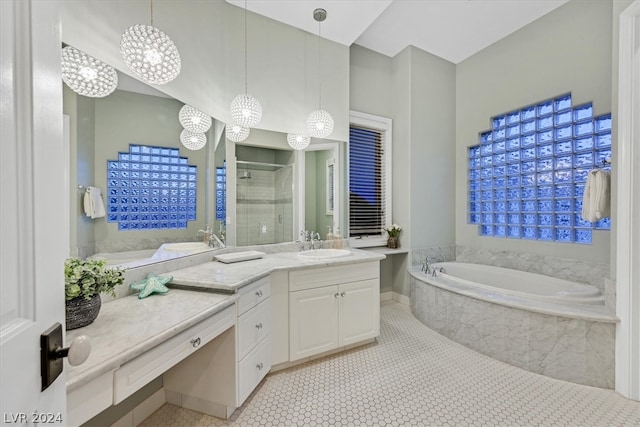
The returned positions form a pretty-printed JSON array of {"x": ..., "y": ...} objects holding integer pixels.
[
  {"x": 596, "y": 202},
  {"x": 93, "y": 205}
]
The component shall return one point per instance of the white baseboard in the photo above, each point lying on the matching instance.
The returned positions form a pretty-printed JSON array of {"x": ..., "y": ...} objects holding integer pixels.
[
  {"x": 386, "y": 296},
  {"x": 395, "y": 296},
  {"x": 143, "y": 410}
]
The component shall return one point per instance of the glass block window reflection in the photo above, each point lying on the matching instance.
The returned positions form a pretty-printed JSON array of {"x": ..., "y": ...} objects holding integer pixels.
[
  {"x": 527, "y": 174},
  {"x": 221, "y": 192},
  {"x": 151, "y": 188}
]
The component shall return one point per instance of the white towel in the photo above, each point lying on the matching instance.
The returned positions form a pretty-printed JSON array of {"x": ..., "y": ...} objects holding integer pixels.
[
  {"x": 596, "y": 202},
  {"x": 93, "y": 205}
]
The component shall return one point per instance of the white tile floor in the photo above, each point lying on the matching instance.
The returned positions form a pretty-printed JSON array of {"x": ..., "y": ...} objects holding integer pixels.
[{"x": 414, "y": 376}]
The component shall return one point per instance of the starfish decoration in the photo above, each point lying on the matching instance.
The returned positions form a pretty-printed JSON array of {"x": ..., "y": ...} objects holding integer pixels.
[{"x": 152, "y": 284}]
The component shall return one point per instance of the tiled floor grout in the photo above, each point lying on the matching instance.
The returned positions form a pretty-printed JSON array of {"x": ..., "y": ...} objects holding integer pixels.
[{"x": 414, "y": 376}]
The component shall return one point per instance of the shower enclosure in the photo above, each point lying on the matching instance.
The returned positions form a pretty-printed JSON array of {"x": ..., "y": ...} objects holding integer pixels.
[{"x": 264, "y": 197}]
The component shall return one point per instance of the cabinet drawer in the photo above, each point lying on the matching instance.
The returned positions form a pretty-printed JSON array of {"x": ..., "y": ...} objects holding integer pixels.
[
  {"x": 327, "y": 276},
  {"x": 253, "y": 294},
  {"x": 131, "y": 376},
  {"x": 253, "y": 368},
  {"x": 253, "y": 326}
]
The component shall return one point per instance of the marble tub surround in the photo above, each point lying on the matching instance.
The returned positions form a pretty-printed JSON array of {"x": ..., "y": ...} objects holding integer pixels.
[
  {"x": 217, "y": 276},
  {"x": 592, "y": 273},
  {"x": 577, "y": 347},
  {"x": 435, "y": 254}
]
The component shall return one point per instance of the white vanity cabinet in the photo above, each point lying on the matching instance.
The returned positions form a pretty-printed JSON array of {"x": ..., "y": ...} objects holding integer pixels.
[{"x": 333, "y": 307}]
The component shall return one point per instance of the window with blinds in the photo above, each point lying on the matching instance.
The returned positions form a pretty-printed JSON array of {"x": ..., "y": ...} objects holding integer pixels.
[{"x": 367, "y": 184}]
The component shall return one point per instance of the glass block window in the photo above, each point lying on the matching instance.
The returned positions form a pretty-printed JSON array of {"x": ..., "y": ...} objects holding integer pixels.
[
  {"x": 527, "y": 173},
  {"x": 221, "y": 192},
  {"x": 151, "y": 188}
]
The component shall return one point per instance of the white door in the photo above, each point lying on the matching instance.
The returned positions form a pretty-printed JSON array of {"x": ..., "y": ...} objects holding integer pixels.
[
  {"x": 359, "y": 316},
  {"x": 313, "y": 321},
  {"x": 34, "y": 198}
]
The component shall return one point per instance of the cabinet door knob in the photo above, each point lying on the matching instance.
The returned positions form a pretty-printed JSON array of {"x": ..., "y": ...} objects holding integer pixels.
[
  {"x": 195, "y": 342},
  {"x": 259, "y": 366},
  {"x": 259, "y": 294},
  {"x": 259, "y": 326},
  {"x": 336, "y": 295},
  {"x": 342, "y": 294}
]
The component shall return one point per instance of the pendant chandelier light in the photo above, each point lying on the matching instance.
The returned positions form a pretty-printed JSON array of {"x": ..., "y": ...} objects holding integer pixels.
[
  {"x": 86, "y": 75},
  {"x": 237, "y": 133},
  {"x": 150, "y": 53},
  {"x": 297, "y": 141},
  {"x": 319, "y": 123},
  {"x": 192, "y": 140},
  {"x": 194, "y": 120},
  {"x": 246, "y": 110}
]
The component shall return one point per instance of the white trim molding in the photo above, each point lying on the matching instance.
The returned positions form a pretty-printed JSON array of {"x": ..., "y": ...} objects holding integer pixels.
[{"x": 628, "y": 207}]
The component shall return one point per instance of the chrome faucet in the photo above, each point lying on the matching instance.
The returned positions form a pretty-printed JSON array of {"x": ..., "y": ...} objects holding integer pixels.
[
  {"x": 425, "y": 265},
  {"x": 217, "y": 242},
  {"x": 315, "y": 238}
]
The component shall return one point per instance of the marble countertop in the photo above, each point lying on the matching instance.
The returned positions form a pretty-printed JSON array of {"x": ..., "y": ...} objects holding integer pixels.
[
  {"x": 217, "y": 276},
  {"x": 128, "y": 327}
]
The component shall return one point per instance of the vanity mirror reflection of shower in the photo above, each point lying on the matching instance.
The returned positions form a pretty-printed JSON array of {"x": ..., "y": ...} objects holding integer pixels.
[{"x": 264, "y": 196}]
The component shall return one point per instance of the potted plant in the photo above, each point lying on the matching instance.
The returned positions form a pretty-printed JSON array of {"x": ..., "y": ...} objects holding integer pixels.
[
  {"x": 84, "y": 280},
  {"x": 393, "y": 231}
]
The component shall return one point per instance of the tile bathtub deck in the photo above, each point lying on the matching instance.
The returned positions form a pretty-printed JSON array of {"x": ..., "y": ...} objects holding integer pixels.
[{"x": 414, "y": 376}]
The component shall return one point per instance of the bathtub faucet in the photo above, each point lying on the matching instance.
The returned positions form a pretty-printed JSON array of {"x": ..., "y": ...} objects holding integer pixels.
[{"x": 425, "y": 265}]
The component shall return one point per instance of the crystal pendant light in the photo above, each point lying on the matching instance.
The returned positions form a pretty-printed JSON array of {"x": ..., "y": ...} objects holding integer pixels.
[
  {"x": 246, "y": 110},
  {"x": 192, "y": 140},
  {"x": 319, "y": 123},
  {"x": 194, "y": 120},
  {"x": 150, "y": 53},
  {"x": 237, "y": 133},
  {"x": 86, "y": 75},
  {"x": 297, "y": 141}
]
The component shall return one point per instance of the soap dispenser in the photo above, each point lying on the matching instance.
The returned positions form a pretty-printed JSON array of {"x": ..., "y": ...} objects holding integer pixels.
[
  {"x": 329, "y": 233},
  {"x": 337, "y": 237}
]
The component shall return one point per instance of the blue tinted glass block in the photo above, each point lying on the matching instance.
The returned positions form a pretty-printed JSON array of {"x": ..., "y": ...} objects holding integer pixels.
[
  {"x": 473, "y": 174},
  {"x": 563, "y": 220},
  {"x": 124, "y": 174},
  {"x": 513, "y": 218},
  {"x": 473, "y": 218},
  {"x": 604, "y": 224},
  {"x": 498, "y": 147},
  {"x": 563, "y": 205},
  {"x": 513, "y": 181},
  {"x": 514, "y": 193},
  {"x": 544, "y": 136},
  {"x": 486, "y": 137},
  {"x": 487, "y": 207},
  {"x": 112, "y": 217},
  {"x": 145, "y": 159},
  {"x": 114, "y": 173},
  {"x": 528, "y": 179},
  {"x": 486, "y": 230},
  {"x": 529, "y": 219},
  {"x": 499, "y": 159},
  {"x": 498, "y": 183},
  {"x": 498, "y": 122},
  {"x": 545, "y": 178},
  {"x": 545, "y": 219},
  {"x": 580, "y": 175},
  {"x": 544, "y": 165},
  {"x": 175, "y": 161},
  {"x": 474, "y": 196},
  {"x": 582, "y": 129},
  {"x": 486, "y": 149},
  {"x": 514, "y": 232},
  {"x": 562, "y": 103},
  {"x": 155, "y": 167},
  {"x": 513, "y": 169},
  {"x": 562, "y": 176},
  {"x": 563, "y": 234},
  {"x": 582, "y": 236},
  {"x": 513, "y": 206},
  {"x": 473, "y": 185},
  {"x": 528, "y": 127},
  {"x": 134, "y": 148},
  {"x": 583, "y": 144},
  {"x": 583, "y": 112},
  {"x": 487, "y": 218},
  {"x": 174, "y": 152},
  {"x": 486, "y": 173},
  {"x": 135, "y": 158},
  {"x": 513, "y": 130},
  {"x": 529, "y": 233},
  {"x": 602, "y": 155},
  {"x": 545, "y": 108},
  {"x": 545, "y": 192},
  {"x": 528, "y": 153},
  {"x": 545, "y": 122},
  {"x": 512, "y": 144},
  {"x": 528, "y": 193},
  {"x": 123, "y": 225},
  {"x": 578, "y": 190},
  {"x": 577, "y": 205},
  {"x": 545, "y": 205},
  {"x": 155, "y": 150},
  {"x": 528, "y": 113},
  {"x": 528, "y": 140},
  {"x": 498, "y": 134},
  {"x": 562, "y": 118},
  {"x": 485, "y": 161},
  {"x": 499, "y": 206},
  {"x": 486, "y": 183},
  {"x": 545, "y": 234},
  {"x": 529, "y": 206},
  {"x": 124, "y": 165},
  {"x": 528, "y": 167},
  {"x": 563, "y": 133},
  {"x": 500, "y": 218},
  {"x": 603, "y": 140},
  {"x": 513, "y": 156},
  {"x": 133, "y": 225},
  {"x": 500, "y": 231},
  {"x": 113, "y": 165},
  {"x": 499, "y": 171},
  {"x": 486, "y": 194},
  {"x": 474, "y": 152},
  {"x": 583, "y": 160},
  {"x": 499, "y": 194},
  {"x": 563, "y": 162},
  {"x": 563, "y": 190}
]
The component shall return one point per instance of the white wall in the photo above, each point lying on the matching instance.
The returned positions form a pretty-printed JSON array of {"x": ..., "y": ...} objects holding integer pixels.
[{"x": 567, "y": 50}]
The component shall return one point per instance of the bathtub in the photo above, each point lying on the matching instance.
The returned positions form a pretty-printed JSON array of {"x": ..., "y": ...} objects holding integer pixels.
[
  {"x": 166, "y": 251},
  {"x": 516, "y": 283},
  {"x": 545, "y": 325}
]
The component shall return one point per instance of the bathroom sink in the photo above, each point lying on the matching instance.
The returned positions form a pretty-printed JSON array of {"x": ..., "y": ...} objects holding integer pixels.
[
  {"x": 324, "y": 253},
  {"x": 185, "y": 247}
]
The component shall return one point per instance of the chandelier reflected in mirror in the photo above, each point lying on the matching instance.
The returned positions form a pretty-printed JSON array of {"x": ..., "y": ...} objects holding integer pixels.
[
  {"x": 191, "y": 140},
  {"x": 237, "y": 133},
  {"x": 86, "y": 75},
  {"x": 297, "y": 141},
  {"x": 194, "y": 120}
]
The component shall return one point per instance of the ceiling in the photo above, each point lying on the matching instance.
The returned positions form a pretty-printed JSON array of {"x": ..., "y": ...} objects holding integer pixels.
[{"x": 450, "y": 29}]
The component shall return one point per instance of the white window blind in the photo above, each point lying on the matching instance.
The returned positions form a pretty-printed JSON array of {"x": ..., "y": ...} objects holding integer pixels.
[{"x": 367, "y": 183}]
